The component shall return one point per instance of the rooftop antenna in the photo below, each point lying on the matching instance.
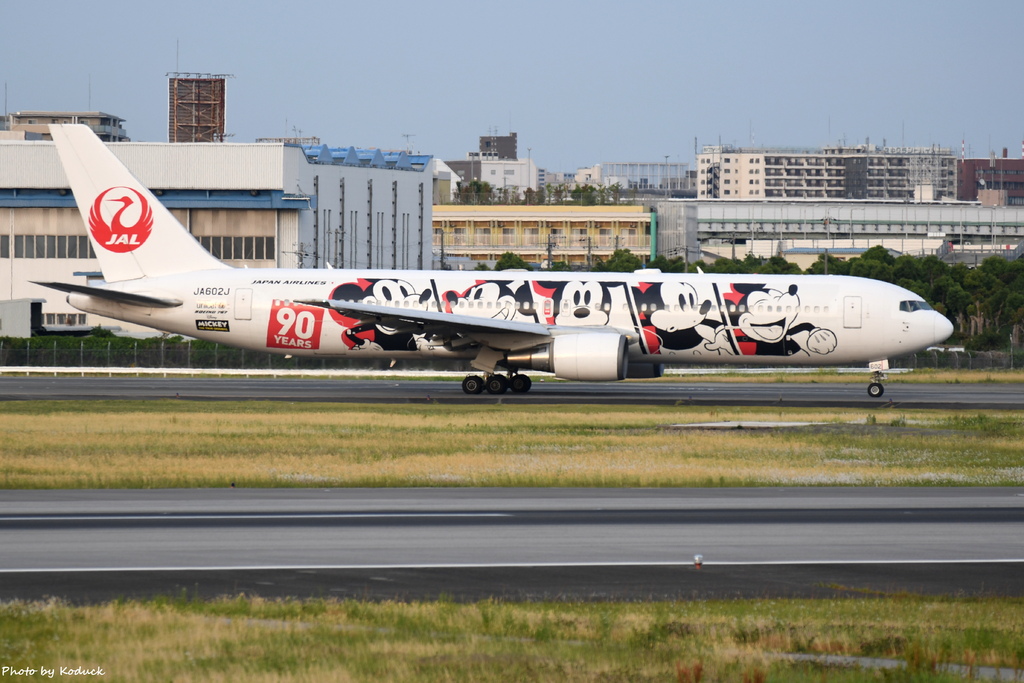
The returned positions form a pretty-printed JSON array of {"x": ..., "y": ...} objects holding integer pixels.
[{"x": 407, "y": 136}]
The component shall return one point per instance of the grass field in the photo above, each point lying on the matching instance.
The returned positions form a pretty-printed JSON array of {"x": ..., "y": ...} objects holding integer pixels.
[
  {"x": 149, "y": 444},
  {"x": 159, "y": 444},
  {"x": 320, "y": 640}
]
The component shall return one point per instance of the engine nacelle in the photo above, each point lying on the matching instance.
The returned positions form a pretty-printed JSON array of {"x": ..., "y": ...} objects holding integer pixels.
[{"x": 589, "y": 357}]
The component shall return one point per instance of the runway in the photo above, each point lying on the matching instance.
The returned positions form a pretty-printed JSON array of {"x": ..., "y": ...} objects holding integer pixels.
[
  {"x": 471, "y": 544},
  {"x": 512, "y": 543},
  {"x": 681, "y": 392}
]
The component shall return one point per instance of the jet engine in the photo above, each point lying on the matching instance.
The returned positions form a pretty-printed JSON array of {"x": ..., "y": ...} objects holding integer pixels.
[{"x": 590, "y": 357}]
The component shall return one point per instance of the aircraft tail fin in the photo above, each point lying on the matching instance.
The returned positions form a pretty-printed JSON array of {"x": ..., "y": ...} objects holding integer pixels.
[{"x": 133, "y": 234}]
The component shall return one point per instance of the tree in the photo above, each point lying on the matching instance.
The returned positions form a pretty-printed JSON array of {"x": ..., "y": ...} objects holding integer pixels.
[
  {"x": 777, "y": 265},
  {"x": 616, "y": 190},
  {"x": 621, "y": 261},
  {"x": 666, "y": 265},
  {"x": 509, "y": 260},
  {"x": 585, "y": 195},
  {"x": 836, "y": 266},
  {"x": 474, "y": 192}
]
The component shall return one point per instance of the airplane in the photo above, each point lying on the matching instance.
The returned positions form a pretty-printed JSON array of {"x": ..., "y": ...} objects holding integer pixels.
[{"x": 576, "y": 326}]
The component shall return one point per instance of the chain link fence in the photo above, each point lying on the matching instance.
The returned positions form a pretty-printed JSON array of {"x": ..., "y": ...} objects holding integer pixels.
[
  {"x": 121, "y": 353},
  {"x": 181, "y": 355}
]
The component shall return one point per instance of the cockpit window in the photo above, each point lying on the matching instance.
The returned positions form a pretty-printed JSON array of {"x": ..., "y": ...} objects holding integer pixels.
[{"x": 911, "y": 306}]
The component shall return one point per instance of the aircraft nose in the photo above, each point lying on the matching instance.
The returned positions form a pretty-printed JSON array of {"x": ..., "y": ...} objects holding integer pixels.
[{"x": 943, "y": 328}]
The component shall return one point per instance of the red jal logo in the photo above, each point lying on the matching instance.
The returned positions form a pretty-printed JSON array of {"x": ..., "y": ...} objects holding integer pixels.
[{"x": 110, "y": 231}]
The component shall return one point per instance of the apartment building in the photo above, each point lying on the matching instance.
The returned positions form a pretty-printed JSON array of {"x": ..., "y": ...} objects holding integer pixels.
[
  {"x": 860, "y": 172},
  {"x": 577, "y": 235}
]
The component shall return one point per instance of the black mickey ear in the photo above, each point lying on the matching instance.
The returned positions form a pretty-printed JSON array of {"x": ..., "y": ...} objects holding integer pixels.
[{"x": 792, "y": 290}]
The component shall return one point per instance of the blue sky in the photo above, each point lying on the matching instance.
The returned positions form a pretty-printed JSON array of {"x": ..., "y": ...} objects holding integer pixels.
[{"x": 580, "y": 82}]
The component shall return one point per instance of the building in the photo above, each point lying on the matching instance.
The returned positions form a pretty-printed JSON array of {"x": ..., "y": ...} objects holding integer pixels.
[
  {"x": 499, "y": 146},
  {"x": 646, "y": 179},
  {"x": 196, "y": 107},
  {"x": 251, "y": 205},
  {"x": 502, "y": 175},
  {"x": 955, "y": 231},
  {"x": 993, "y": 181},
  {"x": 577, "y": 235},
  {"x": 497, "y": 163},
  {"x": 107, "y": 127},
  {"x": 860, "y": 172}
]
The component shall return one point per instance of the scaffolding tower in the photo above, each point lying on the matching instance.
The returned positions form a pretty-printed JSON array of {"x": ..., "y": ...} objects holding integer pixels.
[{"x": 195, "y": 107}]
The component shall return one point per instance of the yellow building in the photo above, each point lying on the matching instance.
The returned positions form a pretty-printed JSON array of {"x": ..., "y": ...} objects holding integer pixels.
[{"x": 577, "y": 235}]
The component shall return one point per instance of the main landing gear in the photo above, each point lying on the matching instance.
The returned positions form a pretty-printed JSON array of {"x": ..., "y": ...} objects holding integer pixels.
[{"x": 497, "y": 384}]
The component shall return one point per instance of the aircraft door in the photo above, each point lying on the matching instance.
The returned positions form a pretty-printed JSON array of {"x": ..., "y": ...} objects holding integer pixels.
[
  {"x": 243, "y": 304},
  {"x": 851, "y": 312}
]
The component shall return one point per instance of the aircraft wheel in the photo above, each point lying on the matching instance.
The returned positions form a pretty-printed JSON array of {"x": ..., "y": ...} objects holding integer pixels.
[
  {"x": 875, "y": 389},
  {"x": 497, "y": 384},
  {"x": 520, "y": 384},
  {"x": 473, "y": 384}
]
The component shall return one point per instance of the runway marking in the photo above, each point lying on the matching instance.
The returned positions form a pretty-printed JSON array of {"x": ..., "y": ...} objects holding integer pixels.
[
  {"x": 501, "y": 565},
  {"x": 100, "y": 517}
]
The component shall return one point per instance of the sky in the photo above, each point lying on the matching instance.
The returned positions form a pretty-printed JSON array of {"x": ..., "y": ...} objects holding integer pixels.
[{"x": 580, "y": 82}]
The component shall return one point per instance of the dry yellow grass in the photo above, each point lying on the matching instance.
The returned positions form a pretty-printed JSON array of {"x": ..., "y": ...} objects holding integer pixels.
[
  {"x": 175, "y": 444},
  {"x": 253, "y": 639}
]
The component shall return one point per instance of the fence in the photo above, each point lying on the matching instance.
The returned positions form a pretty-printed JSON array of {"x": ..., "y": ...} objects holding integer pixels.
[{"x": 187, "y": 355}]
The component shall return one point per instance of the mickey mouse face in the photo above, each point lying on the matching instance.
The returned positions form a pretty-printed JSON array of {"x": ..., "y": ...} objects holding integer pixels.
[
  {"x": 680, "y": 309},
  {"x": 497, "y": 294},
  {"x": 769, "y": 314},
  {"x": 582, "y": 303},
  {"x": 394, "y": 292}
]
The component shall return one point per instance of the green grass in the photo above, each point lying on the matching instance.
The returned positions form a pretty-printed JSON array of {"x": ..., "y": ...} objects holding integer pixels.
[
  {"x": 161, "y": 444},
  {"x": 243, "y": 638}
]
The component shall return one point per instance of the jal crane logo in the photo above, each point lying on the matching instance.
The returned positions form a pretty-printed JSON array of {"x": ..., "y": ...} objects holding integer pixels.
[{"x": 111, "y": 219}]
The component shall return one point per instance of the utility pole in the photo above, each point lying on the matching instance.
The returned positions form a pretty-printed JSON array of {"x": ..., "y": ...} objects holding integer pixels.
[{"x": 316, "y": 223}]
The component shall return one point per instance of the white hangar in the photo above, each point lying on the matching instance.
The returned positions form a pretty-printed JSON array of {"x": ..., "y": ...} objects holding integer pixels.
[{"x": 252, "y": 205}]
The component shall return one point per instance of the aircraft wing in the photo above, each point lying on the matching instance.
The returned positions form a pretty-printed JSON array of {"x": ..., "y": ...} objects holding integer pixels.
[{"x": 493, "y": 332}]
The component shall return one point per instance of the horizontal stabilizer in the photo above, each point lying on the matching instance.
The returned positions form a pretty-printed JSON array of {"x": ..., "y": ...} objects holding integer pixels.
[{"x": 113, "y": 295}]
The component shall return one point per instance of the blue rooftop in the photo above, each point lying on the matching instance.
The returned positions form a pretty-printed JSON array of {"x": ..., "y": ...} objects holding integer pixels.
[{"x": 372, "y": 158}]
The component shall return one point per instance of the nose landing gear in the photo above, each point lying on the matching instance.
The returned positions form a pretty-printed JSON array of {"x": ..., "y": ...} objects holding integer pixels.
[{"x": 875, "y": 389}]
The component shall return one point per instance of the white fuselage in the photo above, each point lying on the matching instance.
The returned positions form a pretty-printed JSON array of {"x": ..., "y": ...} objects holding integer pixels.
[{"x": 669, "y": 318}]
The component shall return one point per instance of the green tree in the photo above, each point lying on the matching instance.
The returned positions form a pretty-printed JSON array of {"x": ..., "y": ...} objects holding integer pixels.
[
  {"x": 667, "y": 265},
  {"x": 777, "y": 265},
  {"x": 510, "y": 260},
  {"x": 836, "y": 266},
  {"x": 621, "y": 261},
  {"x": 584, "y": 195}
]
